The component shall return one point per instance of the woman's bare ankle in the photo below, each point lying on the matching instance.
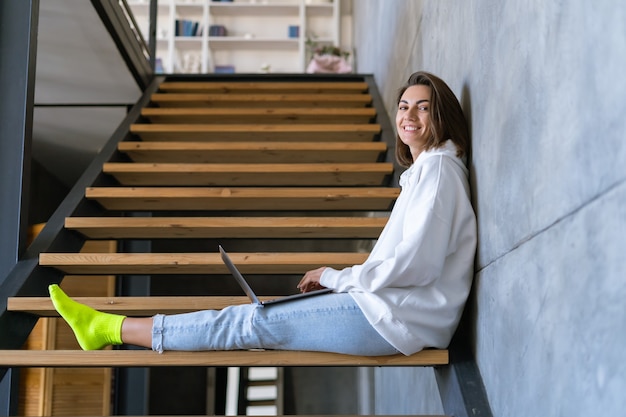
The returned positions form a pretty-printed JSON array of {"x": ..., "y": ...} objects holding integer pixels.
[{"x": 137, "y": 331}]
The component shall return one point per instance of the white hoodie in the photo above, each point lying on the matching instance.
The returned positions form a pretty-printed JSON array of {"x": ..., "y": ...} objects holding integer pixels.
[{"x": 414, "y": 284}]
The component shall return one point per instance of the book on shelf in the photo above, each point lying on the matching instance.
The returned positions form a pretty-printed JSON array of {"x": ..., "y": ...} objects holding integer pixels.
[
  {"x": 158, "y": 66},
  {"x": 186, "y": 27},
  {"x": 217, "y": 30},
  {"x": 224, "y": 69},
  {"x": 294, "y": 31}
]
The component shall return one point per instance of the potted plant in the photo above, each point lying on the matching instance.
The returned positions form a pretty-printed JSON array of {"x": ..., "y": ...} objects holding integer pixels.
[{"x": 327, "y": 59}]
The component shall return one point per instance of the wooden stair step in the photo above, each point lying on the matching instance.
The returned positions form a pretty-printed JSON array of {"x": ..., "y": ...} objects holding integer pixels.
[
  {"x": 257, "y": 115},
  {"x": 196, "y": 263},
  {"x": 226, "y": 227},
  {"x": 242, "y": 198},
  {"x": 294, "y": 174},
  {"x": 257, "y": 132},
  {"x": 261, "y": 100},
  {"x": 272, "y": 87},
  {"x": 148, "y": 358},
  {"x": 253, "y": 152},
  {"x": 131, "y": 306}
]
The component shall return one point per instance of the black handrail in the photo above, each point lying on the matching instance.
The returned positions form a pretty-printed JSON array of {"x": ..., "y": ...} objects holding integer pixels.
[
  {"x": 132, "y": 50},
  {"x": 135, "y": 28}
]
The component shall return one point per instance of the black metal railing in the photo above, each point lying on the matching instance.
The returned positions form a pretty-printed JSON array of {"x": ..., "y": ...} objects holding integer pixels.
[
  {"x": 138, "y": 55},
  {"x": 128, "y": 13}
]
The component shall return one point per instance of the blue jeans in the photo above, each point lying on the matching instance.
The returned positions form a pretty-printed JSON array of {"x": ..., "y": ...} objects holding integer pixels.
[{"x": 327, "y": 323}]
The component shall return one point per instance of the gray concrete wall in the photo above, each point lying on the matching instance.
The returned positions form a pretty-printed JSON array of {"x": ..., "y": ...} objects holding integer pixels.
[{"x": 544, "y": 88}]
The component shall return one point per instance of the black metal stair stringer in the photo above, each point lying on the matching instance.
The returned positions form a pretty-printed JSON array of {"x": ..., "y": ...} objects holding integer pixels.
[{"x": 27, "y": 278}]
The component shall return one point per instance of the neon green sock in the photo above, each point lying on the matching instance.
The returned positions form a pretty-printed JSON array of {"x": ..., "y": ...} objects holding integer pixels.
[{"x": 93, "y": 329}]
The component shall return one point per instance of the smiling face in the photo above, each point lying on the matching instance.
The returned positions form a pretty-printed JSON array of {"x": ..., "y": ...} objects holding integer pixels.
[{"x": 413, "y": 118}]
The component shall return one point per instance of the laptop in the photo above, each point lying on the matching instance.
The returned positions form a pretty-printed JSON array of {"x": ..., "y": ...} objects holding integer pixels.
[{"x": 248, "y": 290}]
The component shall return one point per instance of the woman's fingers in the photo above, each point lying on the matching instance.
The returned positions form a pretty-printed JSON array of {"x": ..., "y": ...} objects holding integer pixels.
[{"x": 311, "y": 280}]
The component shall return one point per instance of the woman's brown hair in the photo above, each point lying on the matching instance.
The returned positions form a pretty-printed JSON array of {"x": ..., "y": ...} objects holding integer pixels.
[{"x": 446, "y": 116}]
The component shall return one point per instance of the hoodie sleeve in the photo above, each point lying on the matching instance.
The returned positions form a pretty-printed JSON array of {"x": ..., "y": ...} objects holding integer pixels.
[{"x": 414, "y": 250}]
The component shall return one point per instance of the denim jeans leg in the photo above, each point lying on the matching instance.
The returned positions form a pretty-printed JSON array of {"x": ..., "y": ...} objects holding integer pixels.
[{"x": 329, "y": 323}]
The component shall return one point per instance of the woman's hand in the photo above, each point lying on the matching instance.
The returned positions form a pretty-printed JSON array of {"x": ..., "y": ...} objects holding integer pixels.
[{"x": 311, "y": 280}]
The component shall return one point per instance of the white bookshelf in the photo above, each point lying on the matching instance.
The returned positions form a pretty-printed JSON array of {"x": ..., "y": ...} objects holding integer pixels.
[{"x": 257, "y": 33}]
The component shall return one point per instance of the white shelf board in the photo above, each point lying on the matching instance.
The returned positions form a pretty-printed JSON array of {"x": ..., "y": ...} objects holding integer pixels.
[
  {"x": 146, "y": 4},
  {"x": 237, "y": 42},
  {"x": 189, "y": 8},
  {"x": 254, "y": 9},
  {"x": 319, "y": 9}
]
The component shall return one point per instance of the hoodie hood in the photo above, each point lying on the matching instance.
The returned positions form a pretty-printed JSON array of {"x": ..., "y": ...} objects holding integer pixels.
[{"x": 448, "y": 149}]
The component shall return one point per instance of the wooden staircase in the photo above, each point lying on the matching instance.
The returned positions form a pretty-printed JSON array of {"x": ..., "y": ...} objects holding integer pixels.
[{"x": 293, "y": 169}]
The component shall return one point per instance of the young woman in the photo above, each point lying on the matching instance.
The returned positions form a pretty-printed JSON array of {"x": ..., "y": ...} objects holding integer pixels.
[{"x": 409, "y": 293}]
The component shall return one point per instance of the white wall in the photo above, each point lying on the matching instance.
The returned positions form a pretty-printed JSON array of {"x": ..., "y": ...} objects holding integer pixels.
[{"x": 543, "y": 86}]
